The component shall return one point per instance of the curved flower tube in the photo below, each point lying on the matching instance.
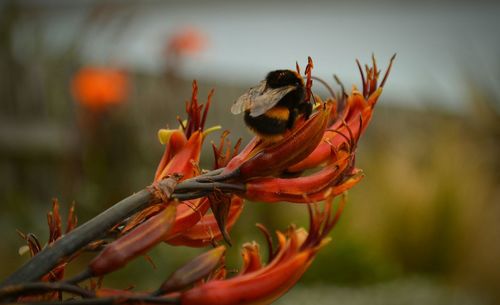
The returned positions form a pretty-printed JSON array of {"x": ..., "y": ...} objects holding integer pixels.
[
  {"x": 185, "y": 161},
  {"x": 174, "y": 140},
  {"x": 316, "y": 187}
]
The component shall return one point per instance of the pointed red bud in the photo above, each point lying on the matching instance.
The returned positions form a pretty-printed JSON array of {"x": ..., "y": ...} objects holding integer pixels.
[
  {"x": 193, "y": 271},
  {"x": 137, "y": 242}
]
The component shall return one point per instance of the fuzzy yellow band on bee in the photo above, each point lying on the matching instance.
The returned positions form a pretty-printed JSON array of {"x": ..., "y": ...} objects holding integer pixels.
[
  {"x": 280, "y": 113},
  {"x": 267, "y": 137}
]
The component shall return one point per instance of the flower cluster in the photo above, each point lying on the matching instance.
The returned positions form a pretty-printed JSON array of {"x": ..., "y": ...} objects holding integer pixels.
[
  {"x": 262, "y": 284},
  {"x": 256, "y": 282},
  {"x": 313, "y": 162}
]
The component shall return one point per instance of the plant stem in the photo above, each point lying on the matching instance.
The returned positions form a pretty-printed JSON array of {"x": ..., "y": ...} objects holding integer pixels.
[
  {"x": 96, "y": 227},
  {"x": 191, "y": 185},
  {"x": 122, "y": 299},
  {"x": 43, "y": 287}
]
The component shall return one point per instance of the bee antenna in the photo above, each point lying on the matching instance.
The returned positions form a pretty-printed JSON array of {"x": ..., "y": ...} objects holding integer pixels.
[{"x": 330, "y": 90}]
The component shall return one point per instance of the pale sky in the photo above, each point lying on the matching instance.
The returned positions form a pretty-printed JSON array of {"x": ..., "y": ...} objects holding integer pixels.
[{"x": 436, "y": 43}]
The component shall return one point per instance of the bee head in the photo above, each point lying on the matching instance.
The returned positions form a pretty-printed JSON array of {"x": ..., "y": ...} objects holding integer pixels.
[{"x": 282, "y": 78}]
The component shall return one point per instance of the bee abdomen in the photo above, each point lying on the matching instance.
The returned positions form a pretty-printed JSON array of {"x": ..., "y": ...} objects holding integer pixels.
[
  {"x": 273, "y": 122},
  {"x": 278, "y": 113}
]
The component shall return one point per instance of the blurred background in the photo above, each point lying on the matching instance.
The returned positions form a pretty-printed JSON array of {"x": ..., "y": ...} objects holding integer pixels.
[{"x": 85, "y": 85}]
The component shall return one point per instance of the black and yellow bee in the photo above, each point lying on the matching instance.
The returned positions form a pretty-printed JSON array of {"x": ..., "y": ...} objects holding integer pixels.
[{"x": 272, "y": 107}]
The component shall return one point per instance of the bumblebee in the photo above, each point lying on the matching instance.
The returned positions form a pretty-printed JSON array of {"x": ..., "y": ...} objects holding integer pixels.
[{"x": 272, "y": 107}]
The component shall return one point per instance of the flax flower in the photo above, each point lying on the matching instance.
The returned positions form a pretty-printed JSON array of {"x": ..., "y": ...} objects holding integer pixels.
[{"x": 314, "y": 161}]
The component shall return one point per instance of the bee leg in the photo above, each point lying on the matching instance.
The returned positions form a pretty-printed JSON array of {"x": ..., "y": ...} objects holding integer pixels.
[
  {"x": 291, "y": 118},
  {"x": 306, "y": 109}
]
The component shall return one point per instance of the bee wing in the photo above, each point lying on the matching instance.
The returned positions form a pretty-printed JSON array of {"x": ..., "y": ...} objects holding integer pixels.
[
  {"x": 247, "y": 100},
  {"x": 268, "y": 100}
]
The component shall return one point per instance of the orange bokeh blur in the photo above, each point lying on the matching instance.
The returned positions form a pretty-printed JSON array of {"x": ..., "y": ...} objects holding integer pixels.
[
  {"x": 186, "y": 41},
  {"x": 99, "y": 87}
]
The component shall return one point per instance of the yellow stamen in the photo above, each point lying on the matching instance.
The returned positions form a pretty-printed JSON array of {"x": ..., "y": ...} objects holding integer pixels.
[
  {"x": 184, "y": 123},
  {"x": 211, "y": 129},
  {"x": 324, "y": 242},
  {"x": 23, "y": 250},
  {"x": 164, "y": 135},
  {"x": 318, "y": 102}
]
